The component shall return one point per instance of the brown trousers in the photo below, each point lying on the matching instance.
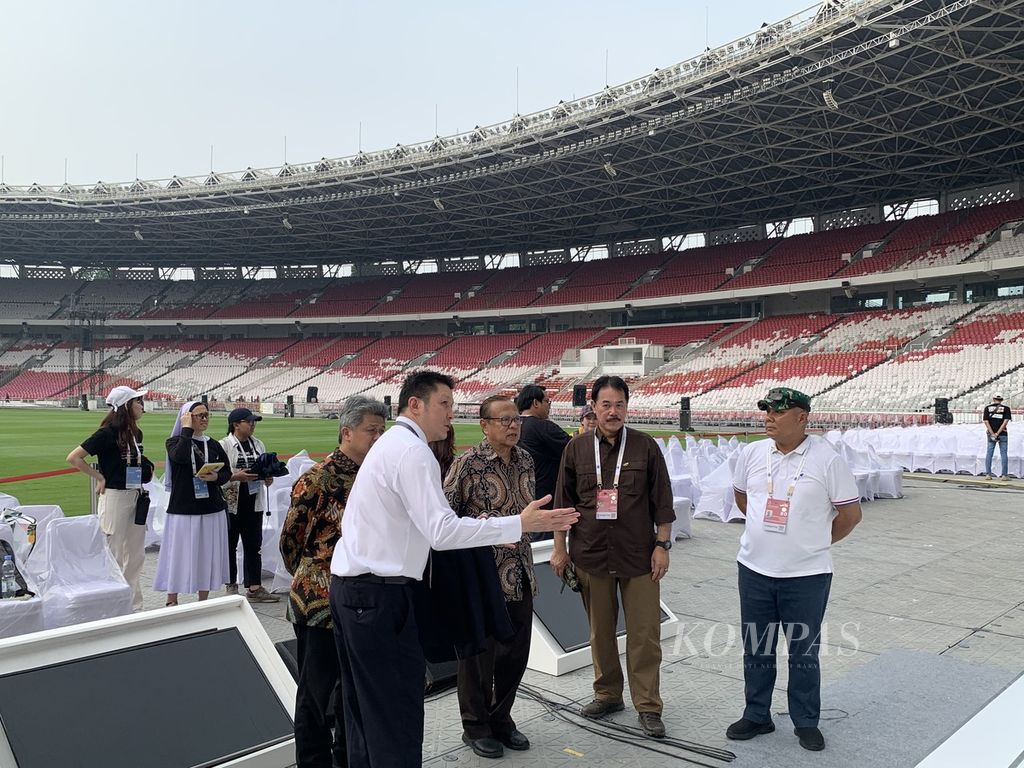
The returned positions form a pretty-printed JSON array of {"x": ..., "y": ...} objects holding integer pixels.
[{"x": 641, "y": 605}]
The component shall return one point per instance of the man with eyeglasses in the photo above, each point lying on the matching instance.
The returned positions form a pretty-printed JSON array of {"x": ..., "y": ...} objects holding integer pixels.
[
  {"x": 496, "y": 479},
  {"x": 799, "y": 498},
  {"x": 541, "y": 438}
]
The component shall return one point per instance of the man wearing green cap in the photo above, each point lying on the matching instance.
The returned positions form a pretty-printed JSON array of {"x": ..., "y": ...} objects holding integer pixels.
[{"x": 799, "y": 498}]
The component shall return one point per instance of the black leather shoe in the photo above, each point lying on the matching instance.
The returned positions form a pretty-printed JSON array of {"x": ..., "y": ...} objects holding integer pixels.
[
  {"x": 810, "y": 738},
  {"x": 516, "y": 740},
  {"x": 486, "y": 747},
  {"x": 744, "y": 729},
  {"x": 598, "y": 709}
]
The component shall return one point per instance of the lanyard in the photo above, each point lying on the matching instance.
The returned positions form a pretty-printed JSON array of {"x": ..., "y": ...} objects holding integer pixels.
[
  {"x": 129, "y": 459},
  {"x": 796, "y": 479},
  {"x": 403, "y": 424},
  {"x": 206, "y": 455},
  {"x": 618, "y": 463},
  {"x": 240, "y": 448}
]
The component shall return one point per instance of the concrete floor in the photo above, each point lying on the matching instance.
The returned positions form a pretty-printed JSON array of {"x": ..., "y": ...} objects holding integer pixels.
[{"x": 938, "y": 573}]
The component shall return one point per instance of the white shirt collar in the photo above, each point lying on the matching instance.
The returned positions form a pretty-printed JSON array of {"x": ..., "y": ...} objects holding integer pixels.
[
  {"x": 414, "y": 425},
  {"x": 799, "y": 450}
]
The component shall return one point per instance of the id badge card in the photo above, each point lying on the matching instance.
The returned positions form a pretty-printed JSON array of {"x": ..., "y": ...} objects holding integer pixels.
[
  {"x": 254, "y": 486},
  {"x": 133, "y": 478},
  {"x": 200, "y": 488},
  {"x": 608, "y": 505},
  {"x": 776, "y": 515}
]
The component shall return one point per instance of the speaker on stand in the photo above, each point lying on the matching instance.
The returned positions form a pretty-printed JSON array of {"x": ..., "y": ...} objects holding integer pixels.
[
  {"x": 942, "y": 414},
  {"x": 311, "y": 393},
  {"x": 579, "y": 395},
  {"x": 685, "y": 421},
  {"x": 387, "y": 404},
  {"x": 289, "y": 407}
]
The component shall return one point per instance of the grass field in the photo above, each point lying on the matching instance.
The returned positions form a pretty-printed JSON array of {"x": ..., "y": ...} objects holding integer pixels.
[{"x": 38, "y": 440}]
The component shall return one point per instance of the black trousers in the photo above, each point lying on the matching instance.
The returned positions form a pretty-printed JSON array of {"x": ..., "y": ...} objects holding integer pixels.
[
  {"x": 382, "y": 673},
  {"x": 798, "y": 604},
  {"x": 246, "y": 524},
  {"x": 488, "y": 682},
  {"x": 318, "y": 701}
]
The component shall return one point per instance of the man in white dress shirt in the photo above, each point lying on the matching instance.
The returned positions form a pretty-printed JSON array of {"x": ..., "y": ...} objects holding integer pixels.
[
  {"x": 799, "y": 498},
  {"x": 395, "y": 513}
]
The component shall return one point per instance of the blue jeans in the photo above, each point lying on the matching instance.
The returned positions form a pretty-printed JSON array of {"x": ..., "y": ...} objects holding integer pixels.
[
  {"x": 798, "y": 604},
  {"x": 1003, "y": 442}
]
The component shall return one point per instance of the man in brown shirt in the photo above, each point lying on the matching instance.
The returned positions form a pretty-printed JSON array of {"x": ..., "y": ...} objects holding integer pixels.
[
  {"x": 496, "y": 478},
  {"x": 619, "y": 546}
]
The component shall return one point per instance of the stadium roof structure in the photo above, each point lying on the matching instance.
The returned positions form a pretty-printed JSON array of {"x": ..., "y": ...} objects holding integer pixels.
[{"x": 847, "y": 104}]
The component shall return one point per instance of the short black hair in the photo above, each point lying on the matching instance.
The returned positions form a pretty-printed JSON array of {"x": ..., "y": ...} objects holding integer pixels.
[
  {"x": 528, "y": 395},
  {"x": 422, "y": 385},
  {"x": 615, "y": 382}
]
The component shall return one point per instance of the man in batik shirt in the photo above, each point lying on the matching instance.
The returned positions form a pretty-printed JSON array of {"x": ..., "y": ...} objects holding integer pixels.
[
  {"x": 496, "y": 478},
  {"x": 310, "y": 531}
]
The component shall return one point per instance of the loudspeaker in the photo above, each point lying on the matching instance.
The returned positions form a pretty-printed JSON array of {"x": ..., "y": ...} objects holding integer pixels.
[
  {"x": 206, "y": 400},
  {"x": 387, "y": 404},
  {"x": 289, "y": 407},
  {"x": 684, "y": 404},
  {"x": 311, "y": 393},
  {"x": 440, "y": 677},
  {"x": 289, "y": 400},
  {"x": 579, "y": 395},
  {"x": 83, "y": 402},
  {"x": 288, "y": 650},
  {"x": 941, "y": 404}
]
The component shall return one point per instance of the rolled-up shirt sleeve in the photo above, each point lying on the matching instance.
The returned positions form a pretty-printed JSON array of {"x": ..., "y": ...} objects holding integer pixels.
[{"x": 419, "y": 487}]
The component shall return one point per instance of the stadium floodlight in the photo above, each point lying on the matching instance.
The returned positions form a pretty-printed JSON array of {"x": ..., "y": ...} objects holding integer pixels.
[
  {"x": 438, "y": 204},
  {"x": 138, "y": 234},
  {"x": 245, "y": 211},
  {"x": 286, "y": 224},
  {"x": 610, "y": 169}
]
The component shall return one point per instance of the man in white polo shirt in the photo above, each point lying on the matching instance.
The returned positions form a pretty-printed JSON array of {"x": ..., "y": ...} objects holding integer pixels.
[{"x": 799, "y": 498}]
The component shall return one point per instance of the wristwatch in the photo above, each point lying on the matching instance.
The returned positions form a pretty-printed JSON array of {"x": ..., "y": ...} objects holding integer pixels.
[{"x": 666, "y": 545}]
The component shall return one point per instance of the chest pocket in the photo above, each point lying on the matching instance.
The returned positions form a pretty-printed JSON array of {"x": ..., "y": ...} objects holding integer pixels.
[
  {"x": 633, "y": 478},
  {"x": 586, "y": 486}
]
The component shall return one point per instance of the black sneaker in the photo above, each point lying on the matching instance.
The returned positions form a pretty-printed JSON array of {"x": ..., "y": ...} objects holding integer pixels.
[
  {"x": 744, "y": 729},
  {"x": 810, "y": 738}
]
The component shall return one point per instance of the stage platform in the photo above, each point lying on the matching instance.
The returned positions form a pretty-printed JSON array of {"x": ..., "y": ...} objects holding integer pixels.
[{"x": 925, "y": 625}]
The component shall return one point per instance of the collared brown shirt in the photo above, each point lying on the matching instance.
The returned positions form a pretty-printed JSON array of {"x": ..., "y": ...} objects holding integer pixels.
[
  {"x": 620, "y": 547},
  {"x": 480, "y": 482},
  {"x": 310, "y": 531}
]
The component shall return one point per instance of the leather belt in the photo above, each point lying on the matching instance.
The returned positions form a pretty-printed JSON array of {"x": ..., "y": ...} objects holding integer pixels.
[{"x": 370, "y": 578}]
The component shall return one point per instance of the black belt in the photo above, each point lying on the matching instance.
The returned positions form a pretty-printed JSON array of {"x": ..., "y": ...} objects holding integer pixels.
[{"x": 372, "y": 579}]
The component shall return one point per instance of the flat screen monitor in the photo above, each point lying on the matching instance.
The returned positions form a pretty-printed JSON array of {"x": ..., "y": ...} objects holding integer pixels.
[{"x": 195, "y": 700}]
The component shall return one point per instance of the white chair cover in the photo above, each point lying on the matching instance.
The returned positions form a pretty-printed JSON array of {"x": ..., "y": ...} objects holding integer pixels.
[{"x": 82, "y": 581}]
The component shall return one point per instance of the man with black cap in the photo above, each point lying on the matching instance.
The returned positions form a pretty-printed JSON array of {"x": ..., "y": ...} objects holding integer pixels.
[
  {"x": 246, "y": 498},
  {"x": 996, "y": 418},
  {"x": 799, "y": 498}
]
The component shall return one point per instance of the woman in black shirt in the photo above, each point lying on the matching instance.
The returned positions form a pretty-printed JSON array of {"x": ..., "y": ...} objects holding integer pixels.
[
  {"x": 117, "y": 444},
  {"x": 193, "y": 553}
]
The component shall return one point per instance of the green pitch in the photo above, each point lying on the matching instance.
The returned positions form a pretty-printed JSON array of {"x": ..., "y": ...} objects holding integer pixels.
[{"x": 38, "y": 440}]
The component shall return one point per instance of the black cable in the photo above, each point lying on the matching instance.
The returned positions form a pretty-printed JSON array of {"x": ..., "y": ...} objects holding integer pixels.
[{"x": 632, "y": 736}]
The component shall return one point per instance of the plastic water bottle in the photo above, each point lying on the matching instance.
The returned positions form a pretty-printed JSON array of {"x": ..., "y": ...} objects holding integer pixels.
[{"x": 8, "y": 582}]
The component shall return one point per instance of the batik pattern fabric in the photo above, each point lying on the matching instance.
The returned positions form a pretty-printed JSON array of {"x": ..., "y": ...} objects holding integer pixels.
[
  {"x": 311, "y": 529},
  {"x": 478, "y": 483}
]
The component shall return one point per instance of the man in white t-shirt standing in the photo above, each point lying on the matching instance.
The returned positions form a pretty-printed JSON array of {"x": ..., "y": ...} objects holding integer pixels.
[{"x": 799, "y": 498}]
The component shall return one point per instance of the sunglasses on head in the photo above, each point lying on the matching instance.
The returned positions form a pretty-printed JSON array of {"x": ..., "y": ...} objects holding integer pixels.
[{"x": 777, "y": 402}]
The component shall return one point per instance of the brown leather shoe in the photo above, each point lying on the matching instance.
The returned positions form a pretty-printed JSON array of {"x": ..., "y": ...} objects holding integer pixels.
[
  {"x": 651, "y": 724},
  {"x": 598, "y": 709}
]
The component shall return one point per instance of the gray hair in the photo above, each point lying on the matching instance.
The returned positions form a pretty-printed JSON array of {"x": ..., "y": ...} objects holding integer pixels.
[{"x": 356, "y": 408}]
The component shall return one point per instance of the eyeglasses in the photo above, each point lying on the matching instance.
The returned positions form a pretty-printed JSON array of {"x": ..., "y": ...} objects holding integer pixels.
[
  {"x": 200, "y": 415},
  {"x": 505, "y": 421}
]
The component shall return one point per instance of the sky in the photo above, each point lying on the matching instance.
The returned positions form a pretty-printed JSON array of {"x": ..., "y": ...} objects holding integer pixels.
[{"x": 94, "y": 85}]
